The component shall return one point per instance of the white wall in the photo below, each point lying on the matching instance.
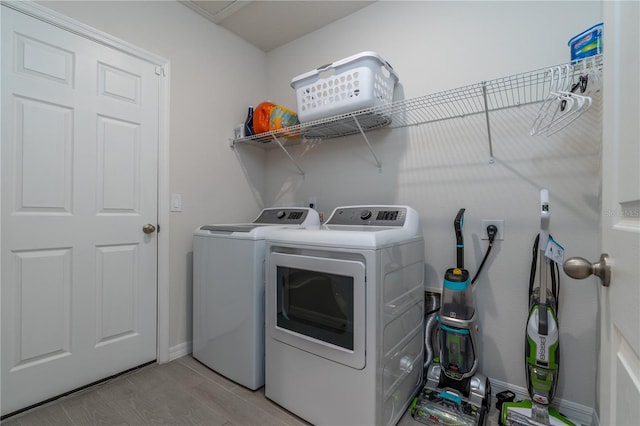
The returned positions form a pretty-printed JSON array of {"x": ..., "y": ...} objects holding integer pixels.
[
  {"x": 440, "y": 167},
  {"x": 214, "y": 76}
]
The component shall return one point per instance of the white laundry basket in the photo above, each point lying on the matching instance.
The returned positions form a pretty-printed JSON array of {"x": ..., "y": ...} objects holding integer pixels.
[{"x": 360, "y": 81}]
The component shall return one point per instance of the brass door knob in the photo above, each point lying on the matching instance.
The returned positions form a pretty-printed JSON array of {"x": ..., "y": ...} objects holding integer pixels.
[{"x": 148, "y": 229}]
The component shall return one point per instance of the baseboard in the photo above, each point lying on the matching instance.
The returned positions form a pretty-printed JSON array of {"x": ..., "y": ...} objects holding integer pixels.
[
  {"x": 577, "y": 413},
  {"x": 179, "y": 350}
]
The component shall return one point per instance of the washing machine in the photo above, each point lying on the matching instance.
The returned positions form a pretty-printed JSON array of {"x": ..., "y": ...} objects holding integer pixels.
[
  {"x": 344, "y": 316},
  {"x": 228, "y": 292}
]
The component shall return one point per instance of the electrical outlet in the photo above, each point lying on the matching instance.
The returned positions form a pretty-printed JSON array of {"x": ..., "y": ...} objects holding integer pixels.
[{"x": 499, "y": 223}]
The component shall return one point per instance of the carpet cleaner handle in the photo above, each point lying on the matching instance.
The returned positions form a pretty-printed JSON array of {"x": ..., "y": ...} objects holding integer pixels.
[
  {"x": 458, "y": 223},
  {"x": 545, "y": 217}
]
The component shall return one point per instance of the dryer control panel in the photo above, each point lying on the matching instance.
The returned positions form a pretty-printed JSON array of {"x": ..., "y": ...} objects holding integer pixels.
[{"x": 368, "y": 215}]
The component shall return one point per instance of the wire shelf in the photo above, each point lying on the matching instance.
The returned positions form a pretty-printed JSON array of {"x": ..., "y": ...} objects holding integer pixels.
[
  {"x": 493, "y": 95},
  {"x": 501, "y": 93}
]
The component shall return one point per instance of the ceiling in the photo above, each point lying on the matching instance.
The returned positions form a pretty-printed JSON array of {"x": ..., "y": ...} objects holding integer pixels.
[{"x": 268, "y": 24}]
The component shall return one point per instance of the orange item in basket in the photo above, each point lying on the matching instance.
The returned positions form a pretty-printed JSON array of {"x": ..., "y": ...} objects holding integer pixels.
[
  {"x": 261, "y": 117},
  {"x": 268, "y": 116}
]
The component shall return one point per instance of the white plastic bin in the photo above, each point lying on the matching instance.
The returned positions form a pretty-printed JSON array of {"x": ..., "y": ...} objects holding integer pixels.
[{"x": 360, "y": 81}]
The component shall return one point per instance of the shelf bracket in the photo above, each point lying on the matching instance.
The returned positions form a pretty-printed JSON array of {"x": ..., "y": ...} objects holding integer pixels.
[
  {"x": 486, "y": 113},
  {"x": 364, "y": 135},
  {"x": 288, "y": 155}
]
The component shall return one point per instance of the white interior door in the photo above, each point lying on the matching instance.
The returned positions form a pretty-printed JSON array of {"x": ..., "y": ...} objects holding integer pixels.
[
  {"x": 79, "y": 181},
  {"x": 619, "y": 378}
]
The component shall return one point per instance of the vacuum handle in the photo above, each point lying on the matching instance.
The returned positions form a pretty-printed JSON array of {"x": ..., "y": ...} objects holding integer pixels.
[
  {"x": 543, "y": 319},
  {"x": 458, "y": 223}
]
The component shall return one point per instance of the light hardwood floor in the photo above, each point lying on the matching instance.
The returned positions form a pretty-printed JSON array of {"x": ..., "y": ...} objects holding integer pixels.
[{"x": 181, "y": 392}]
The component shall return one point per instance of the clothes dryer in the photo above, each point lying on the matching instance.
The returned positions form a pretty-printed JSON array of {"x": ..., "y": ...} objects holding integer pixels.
[
  {"x": 344, "y": 316},
  {"x": 228, "y": 292}
]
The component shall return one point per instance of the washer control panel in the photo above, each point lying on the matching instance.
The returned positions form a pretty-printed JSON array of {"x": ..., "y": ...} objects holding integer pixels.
[
  {"x": 368, "y": 215},
  {"x": 284, "y": 215}
]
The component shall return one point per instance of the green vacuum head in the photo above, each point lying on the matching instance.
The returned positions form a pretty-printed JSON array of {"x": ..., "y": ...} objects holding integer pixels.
[
  {"x": 445, "y": 408},
  {"x": 520, "y": 414}
]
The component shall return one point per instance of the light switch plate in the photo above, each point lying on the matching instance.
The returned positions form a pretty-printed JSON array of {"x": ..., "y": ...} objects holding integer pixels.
[{"x": 176, "y": 202}]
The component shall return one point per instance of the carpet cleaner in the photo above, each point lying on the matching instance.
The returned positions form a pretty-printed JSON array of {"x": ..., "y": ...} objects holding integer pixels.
[
  {"x": 542, "y": 343},
  {"x": 455, "y": 393}
]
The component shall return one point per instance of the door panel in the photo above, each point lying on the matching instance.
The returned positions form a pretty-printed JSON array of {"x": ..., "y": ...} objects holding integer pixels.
[
  {"x": 79, "y": 181},
  {"x": 118, "y": 166},
  {"x": 118, "y": 84},
  {"x": 117, "y": 289},
  {"x": 41, "y": 59},
  {"x": 42, "y": 318},
  {"x": 43, "y": 171}
]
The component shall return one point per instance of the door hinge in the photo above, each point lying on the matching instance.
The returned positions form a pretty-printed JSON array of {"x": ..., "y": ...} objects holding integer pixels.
[{"x": 160, "y": 71}]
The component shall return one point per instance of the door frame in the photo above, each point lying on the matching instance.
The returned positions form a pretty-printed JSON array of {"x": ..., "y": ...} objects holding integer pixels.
[{"x": 162, "y": 68}]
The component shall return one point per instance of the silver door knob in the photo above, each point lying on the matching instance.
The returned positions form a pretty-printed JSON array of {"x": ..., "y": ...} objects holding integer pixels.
[
  {"x": 148, "y": 228},
  {"x": 580, "y": 268}
]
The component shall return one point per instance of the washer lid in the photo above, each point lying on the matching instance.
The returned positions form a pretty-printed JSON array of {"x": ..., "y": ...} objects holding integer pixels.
[
  {"x": 229, "y": 228},
  {"x": 268, "y": 219},
  {"x": 241, "y": 231}
]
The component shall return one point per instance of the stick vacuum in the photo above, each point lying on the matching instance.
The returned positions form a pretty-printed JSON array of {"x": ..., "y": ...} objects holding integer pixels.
[{"x": 542, "y": 343}]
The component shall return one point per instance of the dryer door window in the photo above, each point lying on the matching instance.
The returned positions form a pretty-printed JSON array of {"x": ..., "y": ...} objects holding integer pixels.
[{"x": 318, "y": 306}]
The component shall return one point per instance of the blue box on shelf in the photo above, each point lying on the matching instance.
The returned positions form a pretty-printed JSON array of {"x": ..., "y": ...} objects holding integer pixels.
[{"x": 587, "y": 43}]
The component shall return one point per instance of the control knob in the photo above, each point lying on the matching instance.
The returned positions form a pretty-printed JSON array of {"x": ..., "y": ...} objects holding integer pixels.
[
  {"x": 281, "y": 214},
  {"x": 365, "y": 214}
]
